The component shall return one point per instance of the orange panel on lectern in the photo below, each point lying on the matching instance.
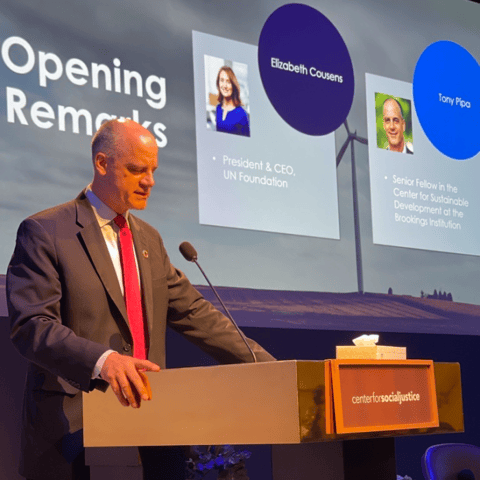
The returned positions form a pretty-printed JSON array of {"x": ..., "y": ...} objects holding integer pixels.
[{"x": 373, "y": 395}]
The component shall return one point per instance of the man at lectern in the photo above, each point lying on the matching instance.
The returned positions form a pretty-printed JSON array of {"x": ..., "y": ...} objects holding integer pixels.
[{"x": 90, "y": 292}]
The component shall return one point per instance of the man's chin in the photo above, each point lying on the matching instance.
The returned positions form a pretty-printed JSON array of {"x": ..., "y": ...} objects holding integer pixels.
[
  {"x": 395, "y": 142},
  {"x": 396, "y": 147},
  {"x": 139, "y": 205}
]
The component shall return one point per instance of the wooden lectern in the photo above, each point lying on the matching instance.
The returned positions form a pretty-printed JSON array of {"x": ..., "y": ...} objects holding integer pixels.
[{"x": 289, "y": 404}]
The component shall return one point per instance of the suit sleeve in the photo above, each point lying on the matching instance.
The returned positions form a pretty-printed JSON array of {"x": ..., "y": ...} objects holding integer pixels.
[
  {"x": 197, "y": 319},
  {"x": 34, "y": 296}
]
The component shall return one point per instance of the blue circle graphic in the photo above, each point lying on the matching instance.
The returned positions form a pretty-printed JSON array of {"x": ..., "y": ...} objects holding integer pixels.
[
  {"x": 306, "y": 69},
  {"x": 446, "y": 96}
]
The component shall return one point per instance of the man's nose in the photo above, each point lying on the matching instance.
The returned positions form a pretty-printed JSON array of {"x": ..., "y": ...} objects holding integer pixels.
[{"x": 148, "y": 180}]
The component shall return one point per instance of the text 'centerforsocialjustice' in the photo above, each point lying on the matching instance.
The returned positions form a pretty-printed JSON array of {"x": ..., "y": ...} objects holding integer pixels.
[
  {"x": 303, "y": 70},
  {"x": 397, "y": 397},
  {"x": 432, "y": 204},
  {"x": 237, "y": 171}
]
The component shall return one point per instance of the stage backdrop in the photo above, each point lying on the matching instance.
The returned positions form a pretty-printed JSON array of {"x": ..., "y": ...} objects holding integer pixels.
[
  {"x": 267, "y": 198},
  {"x": 267, "y": 206}
]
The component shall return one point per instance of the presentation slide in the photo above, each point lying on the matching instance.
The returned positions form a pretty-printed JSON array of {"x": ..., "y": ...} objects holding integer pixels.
[
  {"x": 421, "y": 198},
  {"x": 262, "y": 112},
  {"x": 261, "y": 174}
]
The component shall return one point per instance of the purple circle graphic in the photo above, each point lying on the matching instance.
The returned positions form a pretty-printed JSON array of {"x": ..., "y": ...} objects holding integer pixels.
[{"x": 306, "y": 69}]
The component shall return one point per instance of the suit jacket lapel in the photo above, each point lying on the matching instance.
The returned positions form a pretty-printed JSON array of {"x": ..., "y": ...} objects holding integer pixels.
[
  {"x": 97, "y": 249},
  {"x": 141, "y": 250}
]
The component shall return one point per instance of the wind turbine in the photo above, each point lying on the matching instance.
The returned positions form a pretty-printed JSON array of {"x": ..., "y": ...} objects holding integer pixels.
[{"x": 352, "y": 136}]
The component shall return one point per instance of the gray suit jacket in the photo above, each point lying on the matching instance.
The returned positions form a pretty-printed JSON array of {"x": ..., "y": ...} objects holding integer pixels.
[{"x": 66, "y": 309}]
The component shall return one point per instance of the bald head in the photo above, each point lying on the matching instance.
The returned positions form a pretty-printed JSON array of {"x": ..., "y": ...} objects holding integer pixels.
[
  {"x": 394, "y": 124},
  {"x": 393, "y": 103},
  {"x": 124, "y": 160},
  {"x": 117, "y": 135}
]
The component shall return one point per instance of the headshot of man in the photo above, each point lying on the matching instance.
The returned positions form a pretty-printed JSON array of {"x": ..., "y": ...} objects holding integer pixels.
[
  {"x": 394, "y": 126},
  {"x": 231, "y": 117},
  {"x": 90, "y": 293}
]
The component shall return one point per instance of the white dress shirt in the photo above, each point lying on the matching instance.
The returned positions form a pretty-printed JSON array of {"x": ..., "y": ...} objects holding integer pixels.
[{"x": 105, "y": 217}]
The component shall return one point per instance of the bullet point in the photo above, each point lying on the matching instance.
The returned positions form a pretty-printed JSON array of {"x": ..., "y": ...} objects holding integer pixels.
[
  {"x": 214, "y": 158},
  {"x": 386, "y": 178}
]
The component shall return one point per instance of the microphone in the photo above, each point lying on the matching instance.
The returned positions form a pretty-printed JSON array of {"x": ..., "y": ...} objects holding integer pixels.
[
  {"x": 188, "y": 251},
  {"x": 190, "y": 254}
]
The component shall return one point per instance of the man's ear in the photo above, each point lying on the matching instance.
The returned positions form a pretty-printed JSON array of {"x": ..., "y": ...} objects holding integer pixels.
[{"x": 100, "y": 163}]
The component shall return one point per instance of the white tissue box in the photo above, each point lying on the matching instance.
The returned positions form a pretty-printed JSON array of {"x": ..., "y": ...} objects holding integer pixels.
[{"x": 371, "y": 352}]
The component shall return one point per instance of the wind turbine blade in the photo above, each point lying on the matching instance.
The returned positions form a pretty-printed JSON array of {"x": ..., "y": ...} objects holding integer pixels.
[
  {"x": 342, "y": 150},
  {"x": 360, "y": 139}
]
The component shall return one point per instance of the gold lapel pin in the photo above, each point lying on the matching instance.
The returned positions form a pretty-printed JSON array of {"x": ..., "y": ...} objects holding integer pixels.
[{"x": 145, "y": 253}]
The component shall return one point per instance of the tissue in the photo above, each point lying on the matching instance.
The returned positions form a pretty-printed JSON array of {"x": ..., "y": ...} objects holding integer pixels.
[
  {"x": 366, "y": 348},
  {"x": 366, "y": 340}
]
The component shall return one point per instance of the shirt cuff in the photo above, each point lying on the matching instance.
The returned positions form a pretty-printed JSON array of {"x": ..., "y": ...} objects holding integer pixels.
[{"x": 99, "y": 365}]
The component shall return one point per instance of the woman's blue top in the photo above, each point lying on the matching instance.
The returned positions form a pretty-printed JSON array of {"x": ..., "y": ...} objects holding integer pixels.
[{"x": 235, "y": 122}]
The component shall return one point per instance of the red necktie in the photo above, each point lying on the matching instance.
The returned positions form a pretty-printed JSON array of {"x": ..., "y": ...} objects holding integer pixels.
[{"x": 131, "y": 287}]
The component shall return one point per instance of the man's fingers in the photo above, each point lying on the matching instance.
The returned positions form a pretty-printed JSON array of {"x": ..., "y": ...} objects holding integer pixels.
[
  {"x": 118, "y": 392},
  {"x": 125, "y": 376},
  {"x": 137, "y": 382},
  {"x": 146, "y": 382},
  {"x": 141, "y": 366},
  {"x": 127, "y": 392},
  {"x": 136, "y": 394},
  {"x": 146, "y": 365}
]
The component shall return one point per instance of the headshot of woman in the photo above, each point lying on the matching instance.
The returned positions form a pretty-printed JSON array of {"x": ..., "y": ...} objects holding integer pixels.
[{"x": 231, "y": 117}]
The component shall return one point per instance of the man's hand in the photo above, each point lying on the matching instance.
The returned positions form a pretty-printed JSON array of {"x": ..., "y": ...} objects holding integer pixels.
[{"x": 125, "y": 376}]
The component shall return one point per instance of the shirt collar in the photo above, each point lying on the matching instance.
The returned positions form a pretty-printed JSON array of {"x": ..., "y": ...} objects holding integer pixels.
[{"x": 103, "y": 212}]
